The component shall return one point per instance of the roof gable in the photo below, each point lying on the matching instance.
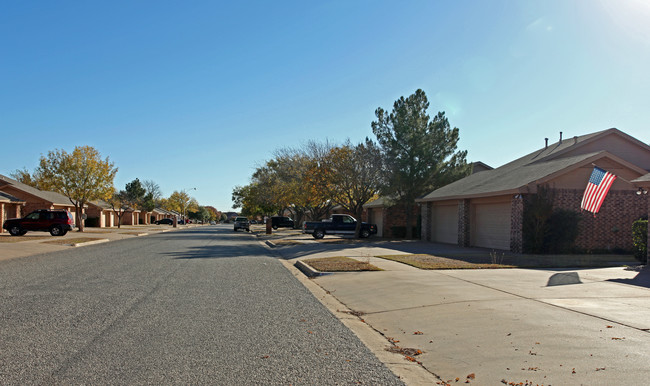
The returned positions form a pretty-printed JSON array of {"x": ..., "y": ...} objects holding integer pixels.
[
  {"x": 52, "y": 197},
  {"x": 551, "y": 160}
]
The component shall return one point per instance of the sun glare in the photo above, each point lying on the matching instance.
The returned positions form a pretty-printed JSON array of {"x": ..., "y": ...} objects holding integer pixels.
[{"x": 631, "y": 16}]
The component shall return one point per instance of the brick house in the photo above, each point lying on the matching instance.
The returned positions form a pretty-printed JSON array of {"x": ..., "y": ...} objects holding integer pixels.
[
  {"x": 10, "y": 207},
  {"x": 102, "y": 213},
  {"x": 389, "y": 218},
  {"x": 486, "y": 209},
  {"x": 33, "y": 198}
]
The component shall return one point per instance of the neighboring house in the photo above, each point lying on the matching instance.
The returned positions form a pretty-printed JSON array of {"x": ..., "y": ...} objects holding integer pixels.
[
  {"x": 130, "y": 217},
  {"x": 390, "y": 218},
  {"x": 10, "y": 207},
  {"x": 486, "y": 209},
  {"x": 34, "y": 198},
  {"x": 100, "y": 214},
  {"x": 159, "y": 214}
]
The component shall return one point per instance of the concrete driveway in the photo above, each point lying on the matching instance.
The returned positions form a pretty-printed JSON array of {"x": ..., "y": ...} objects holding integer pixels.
[{"x": 507, "y": 326}]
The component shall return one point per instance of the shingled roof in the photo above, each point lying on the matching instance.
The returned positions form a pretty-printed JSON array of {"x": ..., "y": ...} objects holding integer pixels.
[
  {"x": 53, "y": 197},
  {"x": 529, "y": 169},
  {"x": 6, "y": 197}
]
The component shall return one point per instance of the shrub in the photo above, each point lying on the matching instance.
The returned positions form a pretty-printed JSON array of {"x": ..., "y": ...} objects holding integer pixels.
[
  {"x": 548, "y": 230},
  {"x": 640, "y": 239},
  {"x": 562, "y": 231}
]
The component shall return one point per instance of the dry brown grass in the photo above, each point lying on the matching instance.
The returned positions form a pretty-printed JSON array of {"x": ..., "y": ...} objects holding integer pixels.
[
  {"x": 17, "y": 239},
  {"x": 340, "y": 264},
  {"x": 424, "y": 261},
  {"x": 69, "y": 241}
]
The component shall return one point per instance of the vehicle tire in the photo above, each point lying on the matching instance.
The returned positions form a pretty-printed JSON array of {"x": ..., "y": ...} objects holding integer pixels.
[
  {"x": 234, "y": 229},
  {"x": 364, "y": 234},
  {"x": 318, "y": 234},
  {"x": 275, "y": 227},
  {"x": 64, "y": 233},
  {"x": 56, "y": 231},
  {"x": 16, "y": 231}
]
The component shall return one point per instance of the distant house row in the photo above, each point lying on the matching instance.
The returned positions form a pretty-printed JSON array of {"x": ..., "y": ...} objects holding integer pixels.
[
  {"x": 18, "y": 199},
  {"x": 486, "y": 208}
]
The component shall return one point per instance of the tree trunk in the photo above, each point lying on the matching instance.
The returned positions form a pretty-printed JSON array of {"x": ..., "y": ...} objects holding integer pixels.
[
  {"x": 357, "y": 230},
  {"x": 79, "y": 216}
]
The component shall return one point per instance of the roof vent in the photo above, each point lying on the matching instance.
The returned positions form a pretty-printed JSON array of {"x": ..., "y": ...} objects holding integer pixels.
[
  {"x": 575, "y": 139},
  {"x": 560, "y": 137},
  {"x": 546, "y": 143}
]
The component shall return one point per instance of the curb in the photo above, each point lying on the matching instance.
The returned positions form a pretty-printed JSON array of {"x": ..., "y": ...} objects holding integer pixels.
[
  {"x": 270, "y": 243},
  {"x": 411, "y": 373},
  {"x": 306, "y": 269},
  {"x": 88, "y": 243}
]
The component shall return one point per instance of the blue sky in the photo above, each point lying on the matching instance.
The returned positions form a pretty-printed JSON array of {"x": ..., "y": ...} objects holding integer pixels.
[{"x": 198, "y": 93}]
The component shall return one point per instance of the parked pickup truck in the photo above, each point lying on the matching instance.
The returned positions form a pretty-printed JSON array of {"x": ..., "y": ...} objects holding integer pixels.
[{"x": 338, "y": 224}]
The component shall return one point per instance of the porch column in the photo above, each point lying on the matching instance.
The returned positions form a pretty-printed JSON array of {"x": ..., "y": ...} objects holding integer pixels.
[{"x": 2, "y": 215}]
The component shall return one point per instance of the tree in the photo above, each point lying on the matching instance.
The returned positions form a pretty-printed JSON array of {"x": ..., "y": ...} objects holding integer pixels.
[
  {"x": 135, "y": 194},
  {"x": 82, "y": 176},
  {"x": 180, "y": 202},
  {"x": 420, "y": 153},
  {"x": 153, "y": 192},
  {"x": 354, "y": 176},
  {"x": 23, "y": 175},
  {"x": 201, "y": 213},
  {"x": 119, "y": 203}
]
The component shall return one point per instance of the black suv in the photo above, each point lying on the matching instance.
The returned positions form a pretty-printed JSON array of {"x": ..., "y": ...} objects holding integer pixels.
[
  {"x": 281, "y": 222},
  {"x": 57, "y": 222}
]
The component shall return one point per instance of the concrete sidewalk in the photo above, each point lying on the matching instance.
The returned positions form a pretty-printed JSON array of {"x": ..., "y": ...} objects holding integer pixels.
[
  {"x": 34, "y": 243},
  {"x": 490, "y": 327}
]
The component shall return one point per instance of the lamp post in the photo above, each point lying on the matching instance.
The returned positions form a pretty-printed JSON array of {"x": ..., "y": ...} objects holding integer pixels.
[{"x": 185, "y": 204}]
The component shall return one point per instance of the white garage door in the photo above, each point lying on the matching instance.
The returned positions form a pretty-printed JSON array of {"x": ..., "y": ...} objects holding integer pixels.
[
  {"x": 445, "y": 224},
  {"x": 490, "y": 225}
]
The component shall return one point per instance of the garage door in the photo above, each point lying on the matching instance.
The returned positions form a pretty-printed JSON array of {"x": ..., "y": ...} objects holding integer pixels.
[
  {"x": 445, "y": 224},
  {"x": 376, "y": 216},
  {"x": 490, "y": 226}
]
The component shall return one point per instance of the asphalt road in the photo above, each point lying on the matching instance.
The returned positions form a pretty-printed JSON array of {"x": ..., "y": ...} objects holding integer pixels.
[{"x": 199, "y": 306}]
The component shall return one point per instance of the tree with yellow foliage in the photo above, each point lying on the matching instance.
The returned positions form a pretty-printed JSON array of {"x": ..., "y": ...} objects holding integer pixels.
[{"x": 82, "y": 176}]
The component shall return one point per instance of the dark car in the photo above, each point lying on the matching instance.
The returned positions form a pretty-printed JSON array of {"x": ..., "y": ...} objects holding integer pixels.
[
  {"x": 164, "y": 221},
  {"x": 242, "y": 223},
  {"x": 338, "y": 224},
  {"x": 57, "y": 222},
  {"x": 281, "y": 222}
]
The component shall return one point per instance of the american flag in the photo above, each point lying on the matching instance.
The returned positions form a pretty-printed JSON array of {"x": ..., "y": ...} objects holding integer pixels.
[{"x": 597, "y": 188}]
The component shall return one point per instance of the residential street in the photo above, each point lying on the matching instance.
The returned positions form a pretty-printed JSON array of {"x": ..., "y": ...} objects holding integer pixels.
[{"x": 195, "y": 306}]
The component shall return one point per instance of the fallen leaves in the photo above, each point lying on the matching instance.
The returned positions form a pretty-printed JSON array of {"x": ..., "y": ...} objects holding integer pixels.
[{"x": 418, "y": 333}]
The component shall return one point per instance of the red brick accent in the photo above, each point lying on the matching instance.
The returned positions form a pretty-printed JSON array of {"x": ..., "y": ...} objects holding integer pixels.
[
  {"x": 463, "y": 223},
  {"x": 517, "y": 224},
  {"x": 395, "y": 216},
  {"x": 612, "y": 227}
]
